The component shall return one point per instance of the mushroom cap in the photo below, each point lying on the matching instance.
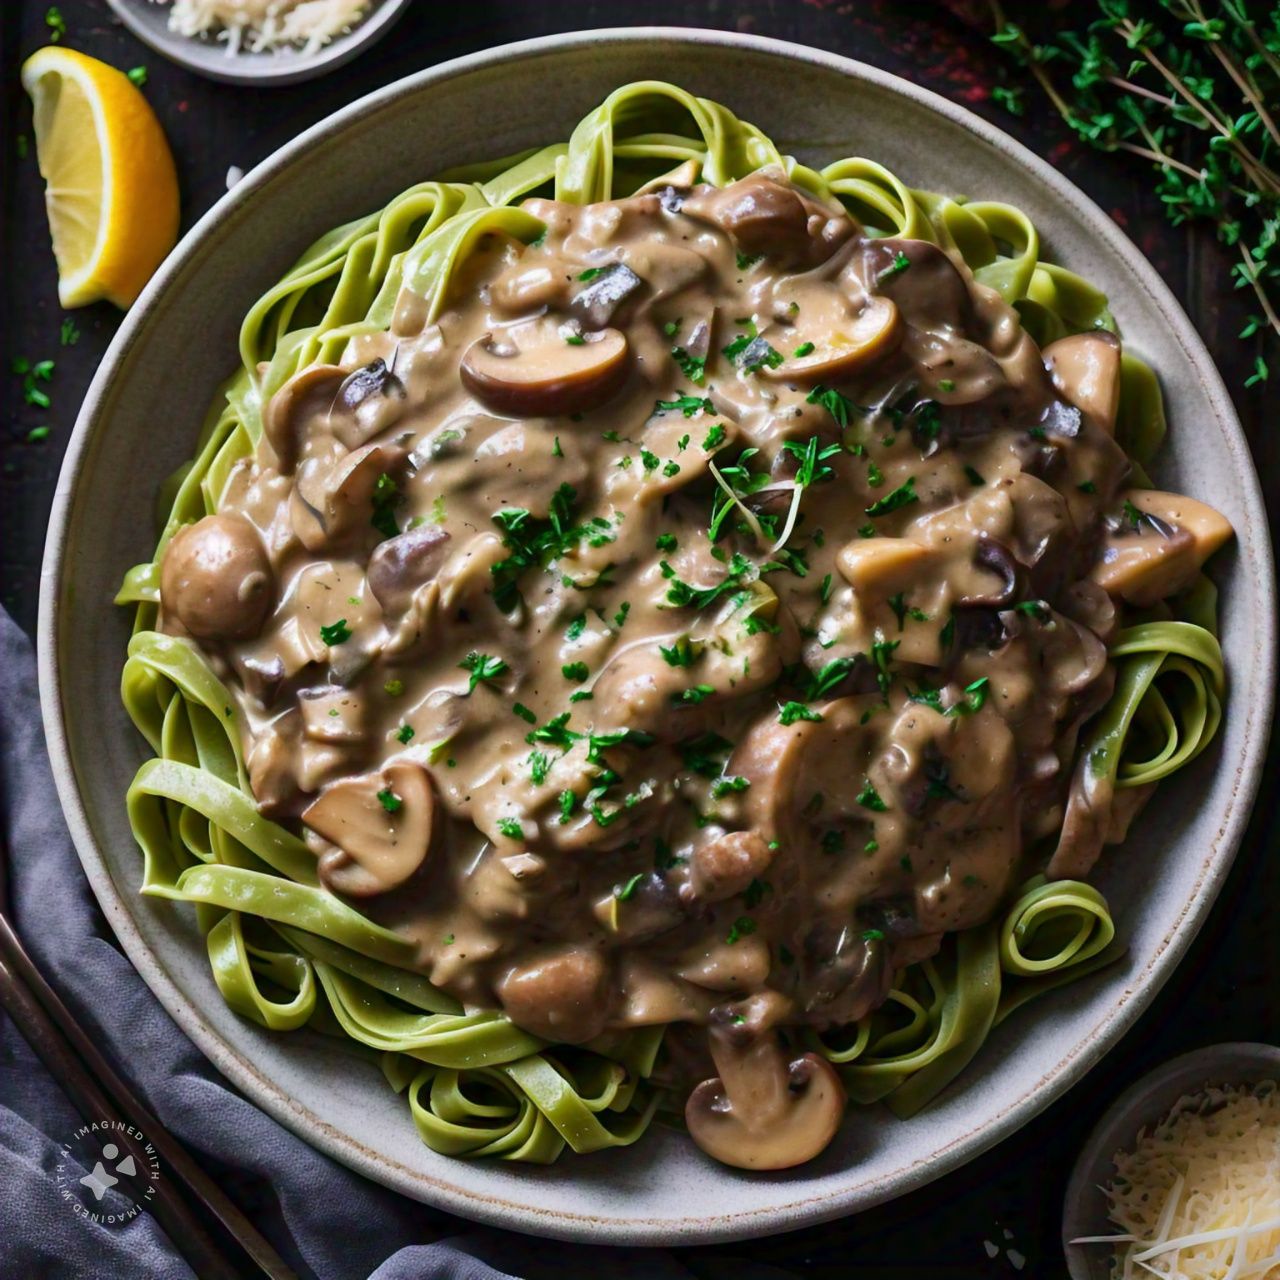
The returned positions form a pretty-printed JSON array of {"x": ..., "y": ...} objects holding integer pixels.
[
  {"x": 548, "y": 376},
  {"x": 560, "y": 995},
  {"x": 378, "y": 844},
  {"x": 775, "y": 1115},
  {"x": 216, "y": 578},
  {"x": 875, "y": 331},
  {"x": 312, "y": 390}
]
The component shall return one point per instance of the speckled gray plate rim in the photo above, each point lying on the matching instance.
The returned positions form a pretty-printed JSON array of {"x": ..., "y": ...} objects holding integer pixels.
[
  {"x": 1140, "y": 1106},
  {"x": 208, "y": 56},
  {"x": 1161, "y": 883}
]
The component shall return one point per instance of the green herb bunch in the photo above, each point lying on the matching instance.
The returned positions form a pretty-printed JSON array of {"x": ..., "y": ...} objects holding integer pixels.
[{"x": 1193, "y": 87}]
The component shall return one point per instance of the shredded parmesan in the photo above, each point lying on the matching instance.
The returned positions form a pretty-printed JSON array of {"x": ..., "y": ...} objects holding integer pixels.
[
  {"x": 1199, "y": 1197},
  {"x": 259, "y": 25}
]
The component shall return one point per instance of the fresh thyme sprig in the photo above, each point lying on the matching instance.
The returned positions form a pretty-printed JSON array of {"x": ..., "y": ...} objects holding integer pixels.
[{"x": 1193, "y": 87}]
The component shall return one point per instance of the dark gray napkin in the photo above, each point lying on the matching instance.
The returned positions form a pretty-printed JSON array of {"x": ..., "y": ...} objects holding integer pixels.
[{"x": 322, "y": 1218}]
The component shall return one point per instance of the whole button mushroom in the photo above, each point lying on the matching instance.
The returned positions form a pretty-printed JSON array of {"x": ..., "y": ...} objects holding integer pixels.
[
  {"x": 380, "y": 825},
  {"x": 216, "y": 579},
  {"x": 561, "y": 996},
  {"x": 762, "y": 1111}
]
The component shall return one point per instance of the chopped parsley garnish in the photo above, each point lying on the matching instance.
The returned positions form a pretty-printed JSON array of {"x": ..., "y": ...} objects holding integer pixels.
[
  {"x": 556, "y": 450},
  {"x": 389, "y": 800},
  {"x": 335, "y": 633},
  {"x": 539, "y": 764},
  {"x": 37, "y": 434},
  {"x": 56, "y": 23},
  {"x": 1036, "y": 609},
  {"x": 928, "y": 420},
  {"x": 804, "y": 349},
  {"x": 902, "y": 611},
  {"x": 393, "y": 688},
  {"x": 533, "y": 541},
  {"x": 483, "y": 667},
  {"x": 948, "y": 632},
  {"x": 386, "y": 497},
  {"x": 693, "y": 367},
  {"x": 715, "y": 437},
  {"x": 683, "y": 595},
  {"x": 946, "y": 384},
  {"x": 576, "y": 627},
  {"x": 826, "y": 680},
  {"x": 624, "y": 891},
  {"x": 671, "y": 328},
  {"x": 620, "y": 618},
  {"x": 837, "y": 405},
  {"x": 899, "y": 264},
  {"x": 568, "y": 803},
  {"x": 688, "y": 405},
  {"x": 824, "y": 591},
  {"x": 748, "y": 260},
  {"x": 705, "y": 754},
  {"x": 728, "y": 786},
  {"x": 790, "y": 712},
  {"x": 666, "y": 542},
  {"x": 695, "y": 694},
  {"x": 511, "y": 828},
  {"x": 574, "y": 339},
  {"x": 875, "y": 477},
  {"x": 812, "y": 456},
  {"x": 40, "y": 371},
  {"x": 69, "y": 333},
  {"x": 1132, "y": 514},
  {"x": 1087, "y": 486},
  {"x": 973, "y": 476},
  {"x": 137, "y": 76},
  {"x": 881, "y": 655},
  {"x": 404, "y": 733},
  {"x": 575, "y": 671},
  {"x": 650, "y": 460},
  {"x": 869, "y": 798},
  {"x": 590, "y": 273},
  {"x": 873, "y": 935},
  {"x": 903, "y": 496},
  {"x": 742, "y": 927},
  {"x": 679, "y": 654}
]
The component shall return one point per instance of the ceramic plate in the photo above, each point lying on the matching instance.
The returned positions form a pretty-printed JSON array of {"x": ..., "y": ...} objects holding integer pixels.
[{"x": 141, "y": 418}]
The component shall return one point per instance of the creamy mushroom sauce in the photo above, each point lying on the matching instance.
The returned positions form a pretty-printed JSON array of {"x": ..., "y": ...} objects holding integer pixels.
[{"x": 605, "y": 771}]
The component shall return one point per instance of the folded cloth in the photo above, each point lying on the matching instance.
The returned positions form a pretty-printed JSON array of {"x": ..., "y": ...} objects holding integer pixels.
[{"x": 325, "y": 1220}]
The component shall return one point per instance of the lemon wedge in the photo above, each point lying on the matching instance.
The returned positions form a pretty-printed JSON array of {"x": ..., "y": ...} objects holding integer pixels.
[{"x": 111, "y": 190}]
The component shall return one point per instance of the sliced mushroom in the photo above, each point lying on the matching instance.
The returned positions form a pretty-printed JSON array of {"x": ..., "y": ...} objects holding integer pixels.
[
  {"x": 270, "y": 763},
  {"x": 840, "y": 353},
  {"x": 1086, "y": 371},
  {"x": 380, "y": 825},
  {"x": 561, "y": 995},
  {"x": 724, "y": 866},
  {"x": 929, "y": 289},
  {"x": 1147, "y": 564},
  {"x": 216, "y": 579},
  {"x": 600, "y": 300},
  {"x": 333, "y": 714},
  {"x": 878, "y": 567},
  {"x": 400, "y": 565},
  {"x": 846, "y": 973},
  {"x": 311, "y": 392},
  {"x": 332, "y": 501},
  {"x": 992, "y": 556},
  {"x": 548, "y": 377},
  {"x": 761, "y": 1111}
]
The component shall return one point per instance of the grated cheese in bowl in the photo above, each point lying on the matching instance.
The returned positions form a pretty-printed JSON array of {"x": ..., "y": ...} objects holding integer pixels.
[
  {"x": 260, "y": 25},
  {"x": 1199, "y": 1196}
]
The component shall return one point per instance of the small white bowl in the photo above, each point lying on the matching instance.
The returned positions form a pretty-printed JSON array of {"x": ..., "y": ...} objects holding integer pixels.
[
  {"x": 1143, "y": 1105},
  {"x": 208, "y": 56}
]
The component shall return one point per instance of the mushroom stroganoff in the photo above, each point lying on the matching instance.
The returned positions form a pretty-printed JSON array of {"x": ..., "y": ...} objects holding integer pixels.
[{"x": 660, "y": 627}]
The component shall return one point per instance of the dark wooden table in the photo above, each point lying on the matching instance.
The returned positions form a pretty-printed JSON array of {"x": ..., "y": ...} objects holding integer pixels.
[{"x": 1008, "y": 1202}]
